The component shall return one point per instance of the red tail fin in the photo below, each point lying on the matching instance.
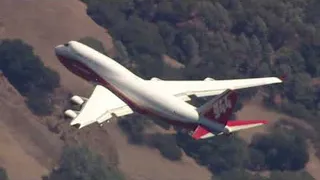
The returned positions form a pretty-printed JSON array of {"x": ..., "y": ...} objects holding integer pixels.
[{"x": 220, "y": 108}]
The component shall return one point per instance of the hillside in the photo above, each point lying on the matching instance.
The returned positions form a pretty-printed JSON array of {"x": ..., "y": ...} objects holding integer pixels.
[
  {"x": 253, "y": 109},
  {"x": 228, "y": 39},
  {"x": 27, "y": 136},
  {"x": 72, "y": 23},
  {"x": 45, "y": 24},
  {"x": 27, "y": 149}
]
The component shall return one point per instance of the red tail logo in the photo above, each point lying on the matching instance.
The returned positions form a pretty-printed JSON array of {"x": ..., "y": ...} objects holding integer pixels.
[{"x": 220, "y": 108}]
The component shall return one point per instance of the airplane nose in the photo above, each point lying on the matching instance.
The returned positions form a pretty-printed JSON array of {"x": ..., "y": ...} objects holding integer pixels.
[{"x": 59, "y": 50}]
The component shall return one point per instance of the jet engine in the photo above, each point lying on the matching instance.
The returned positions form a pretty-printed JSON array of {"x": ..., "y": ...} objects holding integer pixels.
[
  {"x": 155, "y": 79},
  {"x": 77, "y": 100},
  {"x": 209, "y": 79},
  {"x": 71, "y": 114}
]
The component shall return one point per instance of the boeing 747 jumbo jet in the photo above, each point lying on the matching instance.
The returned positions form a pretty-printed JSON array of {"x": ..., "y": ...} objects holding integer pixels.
[{"x": 119, "y": 92}]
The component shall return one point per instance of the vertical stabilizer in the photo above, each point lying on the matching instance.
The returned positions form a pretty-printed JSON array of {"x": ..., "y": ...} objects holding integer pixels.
[
  {"x": 216, "y": 115},
  {"x": 220, "y": 108}
]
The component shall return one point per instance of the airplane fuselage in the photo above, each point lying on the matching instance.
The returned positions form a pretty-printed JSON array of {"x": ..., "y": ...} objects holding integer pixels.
[{"x": 98, "y": 68}]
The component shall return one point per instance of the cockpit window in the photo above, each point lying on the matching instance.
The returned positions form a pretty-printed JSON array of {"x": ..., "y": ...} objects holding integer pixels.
[{"x": 66, "y": 44}]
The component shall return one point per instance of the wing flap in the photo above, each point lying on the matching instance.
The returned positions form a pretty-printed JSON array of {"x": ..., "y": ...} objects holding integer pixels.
[{"x": 101, "y": 106}]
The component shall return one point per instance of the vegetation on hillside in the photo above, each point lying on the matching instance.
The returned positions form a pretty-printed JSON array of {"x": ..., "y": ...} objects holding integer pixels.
[
  {"x": 227, "y": 39},
  {"x": 165, "y": 143},
  {"x": 79, "y": 163},
  {"x": 27, "y": 73},
  {"x": 224, "y": 39},
  {"x": 240, "y": 174},
  {"x": 282, "y": 149}
]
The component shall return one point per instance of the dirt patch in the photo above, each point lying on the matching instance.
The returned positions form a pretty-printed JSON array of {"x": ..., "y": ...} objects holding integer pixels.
[
  {"x": 252, "y": 111},
  {"x": 314, "y": 163},
  {"x": 26, "y": 146},
  {"x": 19, "y": 164},
  {"x": 172, "y": 62}
]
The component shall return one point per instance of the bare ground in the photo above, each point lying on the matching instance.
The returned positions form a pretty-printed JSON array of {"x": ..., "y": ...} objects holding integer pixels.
[
  {"x": 255, "y": 111},
  {"x": 18, "y": 163},
  {"x": 27, "y": 149}
]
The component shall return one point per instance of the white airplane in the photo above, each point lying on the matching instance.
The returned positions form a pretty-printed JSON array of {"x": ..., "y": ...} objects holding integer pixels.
[{"x": 119, "y": 92}]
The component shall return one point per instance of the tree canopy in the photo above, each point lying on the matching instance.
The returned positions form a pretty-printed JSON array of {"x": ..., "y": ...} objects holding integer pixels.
[
  {"x": 79, "y": 163},
  {"x": 227, "y": 39},
  {"x": 27, "y": 73},
  {"x": 281, "y": 150}
]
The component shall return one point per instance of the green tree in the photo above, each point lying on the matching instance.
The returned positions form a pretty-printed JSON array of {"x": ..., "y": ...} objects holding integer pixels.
[
  {"x": 267, "y": 53},
  {"x": 255, "y": 47},
  {"x": 140, "y": 37},
  {"x": 27, "y": 73},
  {"x": 219, "y": 154},
  {"x": 263, "y": 70},
  {"x": 234, "y": 39},
  {"x": 277, "y": 175},
  {"x": 283, "y": 150},
  {"x": 79, "y": 163},
  {"x": 299, "y": 90},
  {"x": 261, "y": 27},
  {"x": 191, "y": 48},
  {"x": 134, "y": 129},
  {"x": 167, "y": 146},
  {"x": 256, "y": 160},
  {"x": 244, "y": 42}
]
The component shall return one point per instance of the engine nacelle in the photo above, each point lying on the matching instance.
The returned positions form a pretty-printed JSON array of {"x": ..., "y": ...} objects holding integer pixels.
[
  {"x": 71, "y": 114},
  {"x": 209, "y": 79},
  {"x": 77, "y": 100},
  {"x": 155, "y": 79}
]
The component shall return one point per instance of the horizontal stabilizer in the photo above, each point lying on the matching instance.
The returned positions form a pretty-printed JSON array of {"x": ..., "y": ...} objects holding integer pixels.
[{"x": 238, "y": 125}]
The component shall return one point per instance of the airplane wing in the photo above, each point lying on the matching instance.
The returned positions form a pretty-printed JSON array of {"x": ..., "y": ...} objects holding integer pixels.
[
  {"x": 99, "y": 107},
  {"x": 209, "y": 86}
]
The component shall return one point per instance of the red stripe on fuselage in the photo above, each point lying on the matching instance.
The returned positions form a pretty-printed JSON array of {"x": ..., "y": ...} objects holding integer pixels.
[{"x": 88, "y": 74}]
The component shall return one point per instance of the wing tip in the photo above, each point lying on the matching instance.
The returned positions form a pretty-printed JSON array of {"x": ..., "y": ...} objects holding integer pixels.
[{"x": 283, "y": 77}]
